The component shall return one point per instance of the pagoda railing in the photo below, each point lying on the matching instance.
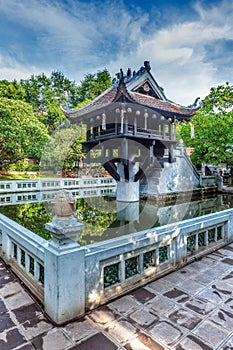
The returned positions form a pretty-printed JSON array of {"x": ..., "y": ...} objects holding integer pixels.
[{"x": 131, "y": 130}]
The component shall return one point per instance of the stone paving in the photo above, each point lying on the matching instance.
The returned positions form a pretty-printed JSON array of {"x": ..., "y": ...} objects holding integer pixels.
[{"x": 190, "y": 309}]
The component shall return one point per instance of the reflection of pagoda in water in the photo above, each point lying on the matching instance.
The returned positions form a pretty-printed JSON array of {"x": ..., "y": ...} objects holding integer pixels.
[{"x": 131, "y": 132}]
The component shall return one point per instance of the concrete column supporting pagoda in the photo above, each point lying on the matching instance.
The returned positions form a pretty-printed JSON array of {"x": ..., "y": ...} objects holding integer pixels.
[
  {"x": 127, "y": 188},
  {"x": 128, "y": 191}
]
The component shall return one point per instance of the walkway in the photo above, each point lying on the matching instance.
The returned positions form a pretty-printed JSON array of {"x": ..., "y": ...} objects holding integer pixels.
[{"x": 190, "y": 309}]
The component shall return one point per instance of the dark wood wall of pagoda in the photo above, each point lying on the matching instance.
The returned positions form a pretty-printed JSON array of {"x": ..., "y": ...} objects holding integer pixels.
[{"x": 124, "y": 133}]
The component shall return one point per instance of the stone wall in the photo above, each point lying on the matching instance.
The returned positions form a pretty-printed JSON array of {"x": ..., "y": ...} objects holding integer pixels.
[{"x": 180, "y": 176}]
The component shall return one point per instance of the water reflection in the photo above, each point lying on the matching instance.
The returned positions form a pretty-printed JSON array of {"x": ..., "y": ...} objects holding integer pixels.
[{"x": 104, "y": 218}]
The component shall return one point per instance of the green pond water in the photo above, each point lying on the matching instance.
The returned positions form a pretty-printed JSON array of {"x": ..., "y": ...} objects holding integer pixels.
[{"x": 105, "y": 218}]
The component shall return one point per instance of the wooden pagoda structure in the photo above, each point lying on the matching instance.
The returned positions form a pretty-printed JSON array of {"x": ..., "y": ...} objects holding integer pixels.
[{"x": 130, "y": 128}]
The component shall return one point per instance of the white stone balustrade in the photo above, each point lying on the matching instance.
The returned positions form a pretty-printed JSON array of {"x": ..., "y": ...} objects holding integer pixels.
[
  {"x": 44, "y": 190},
  {"x": 70, "y": 279},
  {"x": 12, "y": 186}
]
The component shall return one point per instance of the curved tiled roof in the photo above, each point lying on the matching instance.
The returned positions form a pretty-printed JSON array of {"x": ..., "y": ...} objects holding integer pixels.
[
  {"x": 103, "y": 100},
  {"x": 160, "y": 105},
  {"x": 119, "y": 92}
]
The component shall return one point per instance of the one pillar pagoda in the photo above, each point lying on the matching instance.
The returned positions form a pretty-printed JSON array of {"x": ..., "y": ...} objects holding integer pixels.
[{"x": 130, "y": 130}]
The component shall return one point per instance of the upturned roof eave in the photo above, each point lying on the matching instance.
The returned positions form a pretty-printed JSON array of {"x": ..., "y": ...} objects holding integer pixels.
[
  {"x": 82, "y": 111},
  {"x": 164, "y": 107},
  {"x": 181, "y": 110}
]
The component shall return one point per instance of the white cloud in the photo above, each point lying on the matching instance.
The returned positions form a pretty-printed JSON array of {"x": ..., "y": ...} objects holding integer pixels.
[
  {"x": 82, "y": 37},
  {"x": 10, "y": 69},
  {"x": 179, "y": 55}
]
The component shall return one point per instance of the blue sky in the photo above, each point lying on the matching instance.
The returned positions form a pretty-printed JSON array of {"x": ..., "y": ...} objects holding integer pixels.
[{"x": 188, "y": 43}]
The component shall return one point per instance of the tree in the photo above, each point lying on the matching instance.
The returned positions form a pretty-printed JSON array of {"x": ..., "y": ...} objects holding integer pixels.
[
  {"x": 63, "y": 149},
  {"x": 40, "y": 89},
  {"x": 21, "y": 133},
  {"x": 47, "y": 94},
  {"x": 24, "y": 129},
  {"x": 12, "y": 90},
  {"x": 213, "y": 128},
  {"x": 92, "y": 86}
]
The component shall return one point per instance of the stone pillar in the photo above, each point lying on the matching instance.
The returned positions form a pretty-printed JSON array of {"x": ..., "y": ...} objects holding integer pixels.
[
  {"x": 6, "y": 243},
  {"x": 64, "y": 263},
  {"x": 179, "y": 249},
  {"x": 229, "y": 227},
  {"x": 128, "y": 191},
  {"x": 64, "y": 285}
]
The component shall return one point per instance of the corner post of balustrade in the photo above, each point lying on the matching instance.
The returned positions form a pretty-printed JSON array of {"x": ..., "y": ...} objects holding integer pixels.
[
  {"x": 6, "y": 243},
  {"x": 64, "y": 265},
  {"x": 229, "y": 227},
  {"x": 180, "y": 247}
]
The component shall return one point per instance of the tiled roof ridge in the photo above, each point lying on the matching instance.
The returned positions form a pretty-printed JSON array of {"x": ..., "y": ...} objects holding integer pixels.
[
  {"x": 131, "y": 75},
  {"x": 96, "y": 99},
  {"x": 152, "y": 98},
  {"x": 152, "y": 102}
]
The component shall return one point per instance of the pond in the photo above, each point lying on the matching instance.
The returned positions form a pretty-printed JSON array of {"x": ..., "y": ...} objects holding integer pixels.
[{"x": 105, "y": 218}]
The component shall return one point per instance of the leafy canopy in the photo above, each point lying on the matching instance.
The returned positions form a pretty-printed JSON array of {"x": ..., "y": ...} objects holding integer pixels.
[
  {"x": 12, "y": 90},
  {"x": 93, "y": 85},
  {"x": 22, "y": 135},
  {"x": 31, "y": 110},
  {"x": 47, "y": 94},
  {"x": 213, "y": 126},
  {"x": 63, "y": 149}
]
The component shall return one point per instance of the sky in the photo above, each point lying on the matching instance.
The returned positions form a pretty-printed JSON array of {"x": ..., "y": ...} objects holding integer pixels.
[{"x": 189, "y": 43}]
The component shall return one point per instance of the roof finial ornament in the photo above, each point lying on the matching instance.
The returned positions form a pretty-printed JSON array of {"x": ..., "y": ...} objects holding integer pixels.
[
  {"x": 121, "y": 75},
  {"x": 197, "y": 103},
  {"x": 147, "y": 65},
  {"x": 129, "y": 73}
]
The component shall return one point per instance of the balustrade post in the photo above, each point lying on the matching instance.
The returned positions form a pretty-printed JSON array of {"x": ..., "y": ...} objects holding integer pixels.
[
  {"x": 64, "y": 268},
  {"x": 6, "y": 244},
  {"x": 64, "y": 285},
  {"x": 180, "y": 249},
  {"x": 229, "y": 228}
]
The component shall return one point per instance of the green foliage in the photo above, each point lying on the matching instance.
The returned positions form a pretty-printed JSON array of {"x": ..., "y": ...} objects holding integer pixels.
[
  {"x": 12, "y": 90},
  {"x": 52, "y": 115},
  {"x": 220, "y": 98},
  {"x": 21, "y": 134},
  {"x": 33, "y": 216},
  {"x": 84, "y": 103},
  {"x": 23, "y": 165},
  {"x": 93, "y": 85},
  {"x": 40, "y": 89},
  {"x": 63, "y": 149},
  {"x": 213, "y": 125},
  {"x": 47, "y": 94}
]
